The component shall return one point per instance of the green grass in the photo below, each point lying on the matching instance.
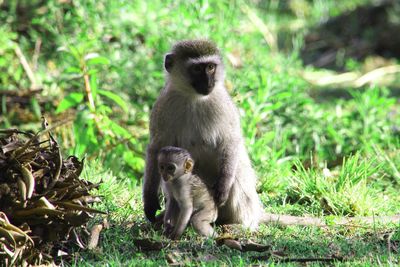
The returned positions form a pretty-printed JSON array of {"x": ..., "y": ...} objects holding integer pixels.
[
  {"x": 357, "y": 245},
  {"x": 319, "y": 156}
]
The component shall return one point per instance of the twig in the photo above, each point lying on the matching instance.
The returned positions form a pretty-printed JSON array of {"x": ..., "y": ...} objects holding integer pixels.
[
  {"x": 329, "y": 78},
  {"x": 36, "y": 53},
  {"x": 54, "y": 125},
  {"x": 12, "y": 131},
  {"x": 89, "y": 96},
  {"x": 282, "y": 259},
  {"x": 77, "y": 239},
  {"x": 352, "y": 79},
  {"x": 26, "y": 66},
  {"x": 21, "y": 92},
  {"x": 310, "y": 259},
  {"x": 376, "y": 74},
  {"x": 262, "y": 27},
  {"x": 88, "y": 91}
]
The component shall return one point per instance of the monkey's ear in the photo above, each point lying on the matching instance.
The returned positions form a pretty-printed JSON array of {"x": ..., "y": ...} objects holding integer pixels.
[
  {"x": 189, "y": 165},
  {"x": 169, "y": 62}
]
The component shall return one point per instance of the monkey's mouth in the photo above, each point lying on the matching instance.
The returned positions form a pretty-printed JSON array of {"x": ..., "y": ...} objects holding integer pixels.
[
  {"x": 203, "y": 89},
  {"x": 167, "y": 177}
]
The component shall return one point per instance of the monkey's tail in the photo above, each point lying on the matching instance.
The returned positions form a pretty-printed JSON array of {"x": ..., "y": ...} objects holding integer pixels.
[{"x": 283, "y": 219}]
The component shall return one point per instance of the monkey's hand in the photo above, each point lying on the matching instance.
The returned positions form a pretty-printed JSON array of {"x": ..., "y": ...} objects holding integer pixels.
[
  {"x": 221, "y": 195},
  {"x": 175, "y": 235},
  {"x": 151, "y": 205},
  {"x": 168, "y": 228}
]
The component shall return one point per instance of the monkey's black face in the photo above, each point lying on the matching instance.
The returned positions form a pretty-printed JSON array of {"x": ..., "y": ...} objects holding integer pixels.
[
  {"x": 170, "y": 170},
  {"x": 202, "y": 77}
]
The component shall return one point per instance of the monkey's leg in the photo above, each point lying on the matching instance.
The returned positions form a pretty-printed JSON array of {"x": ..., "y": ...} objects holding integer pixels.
[
  {"x": 201, "y": 223},
  {"x": 243, "y": 205},
  {"x": 185, "y": 212}
]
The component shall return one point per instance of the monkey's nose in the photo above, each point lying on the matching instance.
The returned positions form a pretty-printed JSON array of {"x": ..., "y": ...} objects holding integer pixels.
[{"x": 166, "y": 177}]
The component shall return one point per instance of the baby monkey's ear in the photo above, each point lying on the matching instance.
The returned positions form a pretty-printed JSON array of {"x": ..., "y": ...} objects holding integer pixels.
[{"x": 189, "y": 165}]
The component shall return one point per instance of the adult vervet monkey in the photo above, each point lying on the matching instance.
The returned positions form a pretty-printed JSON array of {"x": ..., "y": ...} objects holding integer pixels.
[
  {"x": 187, "y": 197},
  {"x": 194, "y": 111}
]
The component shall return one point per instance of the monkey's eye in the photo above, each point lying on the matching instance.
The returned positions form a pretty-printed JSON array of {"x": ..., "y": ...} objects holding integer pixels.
[
  {"x": 162, "y": 167},
  {"x": 171, "y": 168},
  {"x": 210, "y": 68}
]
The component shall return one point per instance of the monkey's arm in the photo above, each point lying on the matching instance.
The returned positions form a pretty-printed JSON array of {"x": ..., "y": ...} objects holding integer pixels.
[
  {"x": 228, "y": 160},
  {"x": 186, "y": 209},
  {"x": 171, "y": 214},
  {"x": 151, "y": 184}
]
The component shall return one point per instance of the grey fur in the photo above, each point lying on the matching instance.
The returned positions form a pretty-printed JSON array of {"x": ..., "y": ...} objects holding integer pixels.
[
  {"x": 187, "y": 197},
  {"x": 209, "y": 128}
]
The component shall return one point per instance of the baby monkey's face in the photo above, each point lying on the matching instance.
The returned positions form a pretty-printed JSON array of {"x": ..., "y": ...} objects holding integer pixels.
[
  {"x": 169, "y": 170},
  {"x": 174, "y": 166}
]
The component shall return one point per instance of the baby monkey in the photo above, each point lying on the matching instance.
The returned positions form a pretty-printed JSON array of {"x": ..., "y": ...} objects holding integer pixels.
[{"x": 187, "y": 197}]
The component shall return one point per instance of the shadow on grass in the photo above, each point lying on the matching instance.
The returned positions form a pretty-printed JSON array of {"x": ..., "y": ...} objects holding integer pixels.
[{"x": 326, "y": 94}]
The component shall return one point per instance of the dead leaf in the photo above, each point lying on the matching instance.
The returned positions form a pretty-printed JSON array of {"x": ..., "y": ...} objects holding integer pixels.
[
  {"x": 233, "y": 244},
  {"x": 148, "y": 245},
  {"x": 252, "y": 246},
  {"x": 42, "y": 194}
]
